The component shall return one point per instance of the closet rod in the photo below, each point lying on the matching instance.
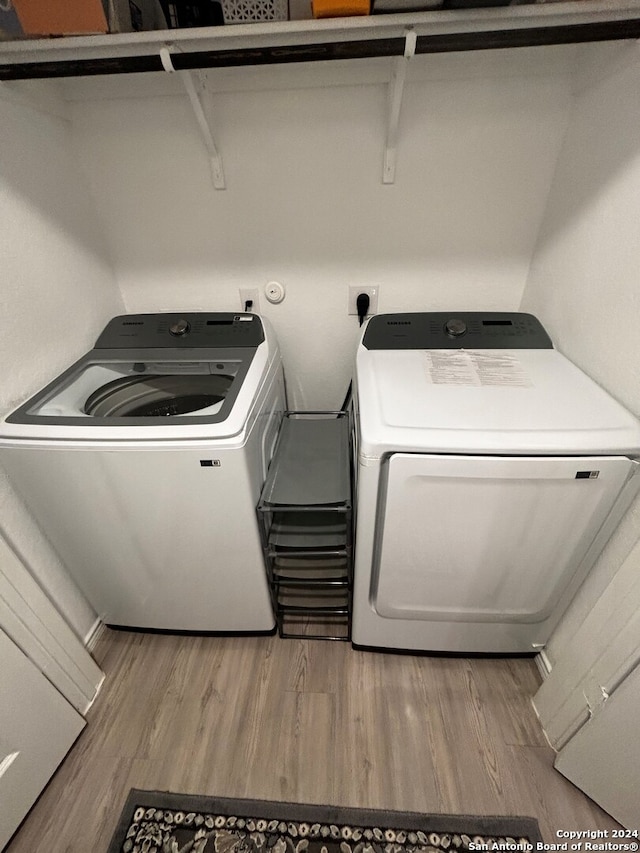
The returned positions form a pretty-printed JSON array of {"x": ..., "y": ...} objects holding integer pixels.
[{"x": 355, "y": 49}]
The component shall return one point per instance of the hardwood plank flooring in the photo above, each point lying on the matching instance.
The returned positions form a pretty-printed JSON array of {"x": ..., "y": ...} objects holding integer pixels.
[{"x": 308, "y": 721}]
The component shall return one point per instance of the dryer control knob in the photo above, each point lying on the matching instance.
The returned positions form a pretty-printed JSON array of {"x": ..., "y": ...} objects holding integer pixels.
[
  {"x": 180, "y": 328},
  {"x": 455, "y": 328}
]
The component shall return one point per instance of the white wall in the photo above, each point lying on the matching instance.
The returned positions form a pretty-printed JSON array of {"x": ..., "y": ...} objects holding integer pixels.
[
  {"x": 584, "y": 286},
  {"x": 57, "y": 291},
  {"x": 305, "y": 204},
  {"x": 480, "y": 135}
]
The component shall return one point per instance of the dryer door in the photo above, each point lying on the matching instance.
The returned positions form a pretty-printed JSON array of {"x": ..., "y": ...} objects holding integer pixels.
[{"x": 488, "y": 539}]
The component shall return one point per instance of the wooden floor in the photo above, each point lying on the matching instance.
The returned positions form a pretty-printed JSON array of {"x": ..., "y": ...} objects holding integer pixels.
[{"x": 308, "y": 721}]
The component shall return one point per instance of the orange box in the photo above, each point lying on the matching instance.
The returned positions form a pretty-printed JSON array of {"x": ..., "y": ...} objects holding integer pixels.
[
  {"x": 339, "y": 8},
  {"x": 61, "y": 17}
]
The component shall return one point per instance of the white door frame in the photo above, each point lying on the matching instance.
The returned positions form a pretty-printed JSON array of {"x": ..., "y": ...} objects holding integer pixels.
[
  {"x": 603, "y": 650},
  {"x": 37, "y": 628},
  {"x": 37, "y": 729},
  {"x": 603, "y": 758}
]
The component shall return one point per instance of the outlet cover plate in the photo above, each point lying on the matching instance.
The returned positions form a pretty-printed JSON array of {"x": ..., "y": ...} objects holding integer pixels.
[
  {"x": 253, "y": 294},
  {"x": 372, "y": 292}
]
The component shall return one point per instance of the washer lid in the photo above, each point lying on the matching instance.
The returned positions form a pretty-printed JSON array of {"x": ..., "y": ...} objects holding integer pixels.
[
  {"x": 486, "y": 401},
  {"x": 146, "y": 395},
  {"x": 136, "y": 392},
  {"x": 155, "y": 394}
]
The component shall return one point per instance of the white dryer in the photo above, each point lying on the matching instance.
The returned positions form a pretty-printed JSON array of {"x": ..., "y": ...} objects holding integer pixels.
[
  {"x": 143, "y": 465},
  {"x": 491, "y": 472}
]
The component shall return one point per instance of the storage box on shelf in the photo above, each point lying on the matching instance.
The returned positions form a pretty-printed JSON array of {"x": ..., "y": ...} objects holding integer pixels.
[
  {"x": 254, "y": 11},
  {"x": 43, "y": 18},
  {"x": 339, "y": 8},
  {"x": 305, "y": 516},
  {"x": 60, "y": 17}
]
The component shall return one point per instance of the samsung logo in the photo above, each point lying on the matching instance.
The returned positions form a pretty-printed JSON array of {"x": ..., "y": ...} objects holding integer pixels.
[{"x": 398, "y": 322}]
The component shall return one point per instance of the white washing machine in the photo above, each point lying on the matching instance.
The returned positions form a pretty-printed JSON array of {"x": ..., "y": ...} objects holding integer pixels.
[
  {"x": 143, "y": 465},
  {"x": 491, "y": 472}
]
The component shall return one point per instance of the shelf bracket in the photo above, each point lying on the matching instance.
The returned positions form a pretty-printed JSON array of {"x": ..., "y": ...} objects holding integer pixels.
[
  {"x": 396, "y": 91},
  {"x": 204, "y": 120}
]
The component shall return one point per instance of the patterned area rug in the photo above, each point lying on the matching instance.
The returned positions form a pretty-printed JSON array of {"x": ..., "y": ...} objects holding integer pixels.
[{"x": 160, "y": 822}]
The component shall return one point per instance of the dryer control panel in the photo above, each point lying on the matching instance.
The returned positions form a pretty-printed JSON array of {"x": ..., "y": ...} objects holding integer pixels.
[
  {"x": 456, "y": 330},
  {"x": 176, "y": 331}
]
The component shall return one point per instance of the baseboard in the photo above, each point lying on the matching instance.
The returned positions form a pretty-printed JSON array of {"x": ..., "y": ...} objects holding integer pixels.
[
  {"x": 93, "y": 634},
  {"x": 544, "y": 664}
]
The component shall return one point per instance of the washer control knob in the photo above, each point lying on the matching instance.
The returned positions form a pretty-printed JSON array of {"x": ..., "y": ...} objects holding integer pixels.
[
  {"x": 455, "y": 328},
  {"x": 180, "y": 328}
]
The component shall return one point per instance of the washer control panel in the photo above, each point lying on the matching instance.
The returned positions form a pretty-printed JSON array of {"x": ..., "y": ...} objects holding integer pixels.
[
  {"x": 456, "y": 330},
  {"x": 182, "y": 330}
]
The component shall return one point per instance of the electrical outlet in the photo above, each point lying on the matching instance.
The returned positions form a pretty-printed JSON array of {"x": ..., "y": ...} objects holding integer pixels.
[
  {"x": 251, "y": 294},
  {"x": 355, "y": 291}
]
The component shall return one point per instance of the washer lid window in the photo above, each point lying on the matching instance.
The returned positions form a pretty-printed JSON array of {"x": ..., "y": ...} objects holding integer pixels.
[{"x": 132, "y": 391}]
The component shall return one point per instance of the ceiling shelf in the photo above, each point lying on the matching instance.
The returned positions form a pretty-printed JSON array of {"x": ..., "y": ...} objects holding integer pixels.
[{"x": 437, "y": 31}]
